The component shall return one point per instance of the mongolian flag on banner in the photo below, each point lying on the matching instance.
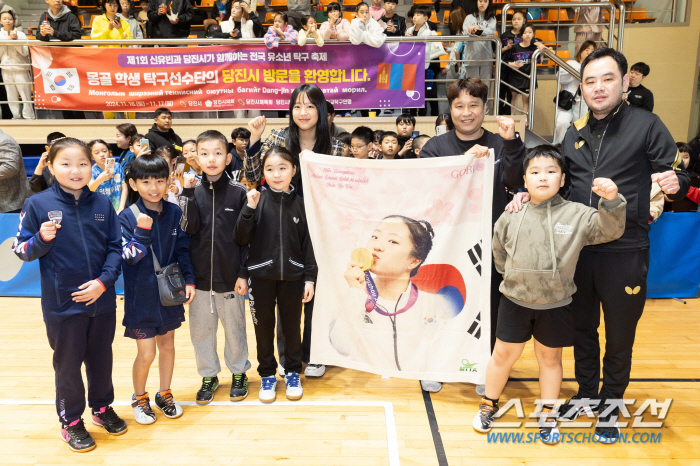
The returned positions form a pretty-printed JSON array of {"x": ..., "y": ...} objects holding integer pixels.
[{"x": 396, "y": 76}]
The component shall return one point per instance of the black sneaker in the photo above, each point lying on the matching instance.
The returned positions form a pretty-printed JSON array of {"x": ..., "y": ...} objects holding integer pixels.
[
  {"x": 483, "y": 421},
  {"x": 607, "y": 429},
  {"x": 576, "y": 407},
  {"x": 166, "y": 403},
  {"x": 77, "y": 438},
  {"x": 205, "y": 395},
  {"x": 239, "y": 387},
  {"x": 109, "y": 421}
]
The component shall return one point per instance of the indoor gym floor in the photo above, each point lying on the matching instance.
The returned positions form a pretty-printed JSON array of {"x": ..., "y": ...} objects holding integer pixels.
[{"x": 346, "y": 417}]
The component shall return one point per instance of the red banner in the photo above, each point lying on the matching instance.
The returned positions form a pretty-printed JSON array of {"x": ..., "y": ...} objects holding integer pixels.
[{"x": 234, "y": 77}]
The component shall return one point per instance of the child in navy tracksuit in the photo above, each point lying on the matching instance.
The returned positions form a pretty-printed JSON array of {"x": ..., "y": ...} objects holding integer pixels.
[
  {"x": 151, "y": 226},
  {"x": 282, "y": 269},
  {"x": 75, "y": 234}
]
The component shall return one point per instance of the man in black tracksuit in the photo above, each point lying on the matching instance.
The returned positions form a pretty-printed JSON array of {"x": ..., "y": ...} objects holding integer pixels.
[
  {"x": 170, "y": 27},
  {"x": 633, "y": 148}
]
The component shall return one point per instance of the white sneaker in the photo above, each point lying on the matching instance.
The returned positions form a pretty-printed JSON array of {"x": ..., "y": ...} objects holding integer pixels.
[
  {"x": 430, "y": 386},
  {"x": 549, "y": 429},
  {"x": 294, "y": 390},
  {"x": 314, "y": 370},
  {"x": 268, "y": 389},
  {"x": 143, "y": 414}
]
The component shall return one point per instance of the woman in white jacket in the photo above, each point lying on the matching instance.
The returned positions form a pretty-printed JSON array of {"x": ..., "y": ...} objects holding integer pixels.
[
  {"x": 433, "y": 51},
  {"x": 365, "y": 30},
  {"x": 481, "y": 22},
  {"x": 11, "y": 61},
  {"x": 571, "y": 84}
]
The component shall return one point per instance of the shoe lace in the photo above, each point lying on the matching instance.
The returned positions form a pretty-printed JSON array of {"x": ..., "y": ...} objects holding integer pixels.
[
  {"x": 143, "y": 403},
  {"x": 292, "y": 379},
  {"x": 268, "y": 382},
  {"x": 238, "y": 380},
  {"x": 548, "y": 420},
  {"x": 207, "y": 384},
  {"x": 78, "y": 431},
  {"x": 110, "y": 417},
  {"x": 167, "y": 397},
  {"x": 486, "y": 410}
]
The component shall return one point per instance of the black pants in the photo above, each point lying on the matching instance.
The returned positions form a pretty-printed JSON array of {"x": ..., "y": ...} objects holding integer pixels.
[
  {"x": 306, "y": 338},
  {"x": 496, "y": 279},
  {"x": 610, "y": 279},
  {"x": 80, "y": 339},
  {"x": 264, "y": 294}
]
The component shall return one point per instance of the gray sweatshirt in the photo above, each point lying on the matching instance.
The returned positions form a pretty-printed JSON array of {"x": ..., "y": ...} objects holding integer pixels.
[{"x": 539, "y": 273}]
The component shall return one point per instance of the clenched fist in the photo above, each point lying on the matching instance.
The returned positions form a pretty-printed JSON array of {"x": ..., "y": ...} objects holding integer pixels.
[
  {"x": 144, "y": 221},
  {"x": 605, "y": 188},
  {"x": 253, "y": 198}
]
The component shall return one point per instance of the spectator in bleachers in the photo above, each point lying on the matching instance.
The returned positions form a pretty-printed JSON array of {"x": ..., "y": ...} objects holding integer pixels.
[
  {"x": 444, "y": 119},
  {"x": 405, "y": 125},
  {"x": 479, "y": 22},
  {"x": 129, "y": 14},
  {"x": 433, "y": 50},
  {"x": 238, "y": 24},
  {"x": 692, "y": 200},
  {"x": 161, "y": 133},
  {"x": 334, "y": 129},
  {"x": 365, "y": 30},
  {"x": 376, "y": 11},
  {"x": 456, "y": 50},
  {"x": 310, "y": 30},
  {"x": 42, "y": 178},
  {"x": 522, "y": 56},
  {"x": 58, "y": 23},
  {"x": 395, "y": 24},
  {"x": 409, "y": 18},
  {"x": 171, "y": 21},
  {"x": 110, "y": 25},
  {"x": 123, "y": 140},
  {"x": 142, "y": 18},
  {"x": 571, "y": 84},
  {"x": 638, "y": 95},
  {"x": 336, "y": 27},
  {"x": 467, "y": 5},
  {"x": 297, "y": 12},
  {"x": 508, "y": 40},
  {"x": 345, "y": 138},
  {"x": 14, "y": 63},
  {"x": 13, "y": 178},
  {"x": 280, "y": 30},
  {"x": 221, "y": 10},
  {"x": 418, "y": 144},
  {"x": 584, "y": 17},
  {"x": 4, "y": 8}
]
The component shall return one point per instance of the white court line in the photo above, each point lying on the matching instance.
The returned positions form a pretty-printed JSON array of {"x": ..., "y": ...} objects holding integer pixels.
[{"x": 391, "y": 437}]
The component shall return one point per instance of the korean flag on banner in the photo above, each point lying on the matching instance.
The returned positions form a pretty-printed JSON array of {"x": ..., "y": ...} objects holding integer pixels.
[{"x": 61, "y": 81}]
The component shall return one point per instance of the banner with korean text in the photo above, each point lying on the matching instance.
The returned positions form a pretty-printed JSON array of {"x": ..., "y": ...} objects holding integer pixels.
[
  {"x": 404, "y": 262},
  {"x": 232, "y": 77}
]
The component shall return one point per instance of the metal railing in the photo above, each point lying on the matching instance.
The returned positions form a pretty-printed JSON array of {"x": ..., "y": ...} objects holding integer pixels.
[
  {"x": 533, "y": 83},
  {"x": 496, "y": 80}
]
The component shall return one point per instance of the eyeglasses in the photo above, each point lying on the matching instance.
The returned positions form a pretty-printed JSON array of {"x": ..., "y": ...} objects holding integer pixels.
[{"x": 356, "y": 148}]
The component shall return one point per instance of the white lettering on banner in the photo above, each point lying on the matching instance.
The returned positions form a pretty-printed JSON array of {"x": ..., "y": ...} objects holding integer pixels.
[{"x": 106, "y": 93}]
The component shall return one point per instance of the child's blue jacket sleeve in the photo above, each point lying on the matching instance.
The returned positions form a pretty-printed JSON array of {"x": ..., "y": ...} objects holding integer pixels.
[
  {"x": 113, "y": 259},
  {"x": 135, "y": 241},
  {"x": 29, "y": 245}
]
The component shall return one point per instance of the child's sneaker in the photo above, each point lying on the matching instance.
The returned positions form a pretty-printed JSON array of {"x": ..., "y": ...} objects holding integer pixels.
[
  {"x": 268, "y": 389},
  {"x": 77, "y": 438},
  {"x": 205, "y": 395},
  {"x": 109, "y": 421},
  {"x": 143, "y": 414},
  {"x": 549, "y": 430},
  {"x": 483, "y": 421},
  {"x": 166, "y": 403},
  {"x": 294, "y": 390},
  {"x": 607, "y": 429},
  {"x": 239, "y": 387},
  {"x": 314, "y": 370}
]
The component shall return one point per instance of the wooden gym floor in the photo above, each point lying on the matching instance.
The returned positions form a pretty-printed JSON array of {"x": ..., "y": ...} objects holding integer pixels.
[{"x": 346, "y": 417}]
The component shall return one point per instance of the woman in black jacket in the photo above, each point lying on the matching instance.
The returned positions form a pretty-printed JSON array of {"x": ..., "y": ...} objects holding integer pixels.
[{"x": 281, "y": 267}]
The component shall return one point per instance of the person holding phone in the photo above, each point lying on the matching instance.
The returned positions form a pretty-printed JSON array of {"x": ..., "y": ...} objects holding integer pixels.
[
  {"x": 58, "y": 23},
  {"x": 107, "y": 176},
  {"x": 109, "y": 25},
  {"x": 480, "y": 22},
  {"x": 171, "y": 20}
]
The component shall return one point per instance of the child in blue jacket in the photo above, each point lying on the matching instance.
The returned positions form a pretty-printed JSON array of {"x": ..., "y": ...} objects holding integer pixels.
[
  {"x": 75, "y": 234},
  {"x": 149, "y": 227}
]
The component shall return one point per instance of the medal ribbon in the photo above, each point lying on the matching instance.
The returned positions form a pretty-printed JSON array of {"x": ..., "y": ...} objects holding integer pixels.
[{"x": 373, "y": 295}]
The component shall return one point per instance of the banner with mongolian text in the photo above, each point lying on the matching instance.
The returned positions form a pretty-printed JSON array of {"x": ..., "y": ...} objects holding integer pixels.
[
  {"x": 404, "y": 257},
  {"x": 232, "y": 77}
]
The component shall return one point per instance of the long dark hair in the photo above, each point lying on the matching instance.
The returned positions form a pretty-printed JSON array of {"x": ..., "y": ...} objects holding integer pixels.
[
  {"x": 422, "y": 235},
  {"x": 323, "y": 136},
  {"x": 488, "y": 14}
]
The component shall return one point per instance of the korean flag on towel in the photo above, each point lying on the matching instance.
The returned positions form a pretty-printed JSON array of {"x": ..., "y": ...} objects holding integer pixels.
[{"x": 61, "y": 81}]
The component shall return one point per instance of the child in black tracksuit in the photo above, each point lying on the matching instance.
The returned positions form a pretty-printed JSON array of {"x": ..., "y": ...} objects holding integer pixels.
[
  {"x": 75, "y": 234},
  {"x": 282, "y": 269}
]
